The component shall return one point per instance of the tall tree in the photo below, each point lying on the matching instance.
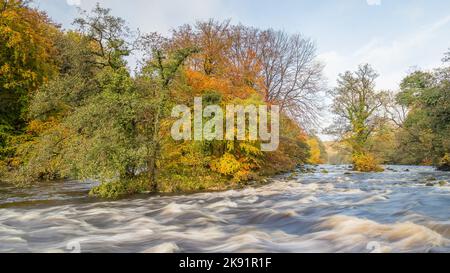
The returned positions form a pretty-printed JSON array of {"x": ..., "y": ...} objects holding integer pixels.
[
  {"x": 109, "y": 34},
  {"x": 424, "y": 137},
  {"x": 161, "y": 69},
  {"x": 94, "y": 120},
  {"x": 356, "y": 104},
  {"x": 292, "y": 75},
  {"x": 283, "y": 68},
  {"x": 26, "y": 61},
  {"x": 63, "y": 115}
]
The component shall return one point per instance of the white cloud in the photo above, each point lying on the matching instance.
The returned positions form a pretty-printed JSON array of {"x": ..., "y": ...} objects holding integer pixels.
[
  {"x": 392, "y": 59},
  {"x": 162, "y": 16},
  {"x": 373, "y": 2},
  {"x": 73, "y": 2}
]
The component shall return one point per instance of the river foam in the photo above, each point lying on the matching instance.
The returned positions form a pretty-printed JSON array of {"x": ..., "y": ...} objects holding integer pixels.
[{"x": 334, "y": 212}]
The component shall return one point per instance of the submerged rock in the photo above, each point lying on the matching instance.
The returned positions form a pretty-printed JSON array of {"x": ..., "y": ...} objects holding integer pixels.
[
  {"x": 444, "y": 165},
  {"x": 442, "y": 183},
  {"x": 429, "y": 184},
  {"x": 309, "y": 170},
  {"x": 444, "y": 168},
  {"x": 304, "y": 169},
  {"x": 292, "y": 175}
]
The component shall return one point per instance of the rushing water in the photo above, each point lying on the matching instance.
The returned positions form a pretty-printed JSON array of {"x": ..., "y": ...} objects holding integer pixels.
[{"x": 339, "y": 211}]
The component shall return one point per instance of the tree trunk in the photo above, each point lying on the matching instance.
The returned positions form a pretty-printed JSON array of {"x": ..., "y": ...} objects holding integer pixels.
[{"x": 151, "y": 168}]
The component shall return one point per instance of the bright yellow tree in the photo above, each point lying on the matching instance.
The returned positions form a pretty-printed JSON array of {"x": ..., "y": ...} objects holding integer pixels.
[{"x": 315, "y": 153}]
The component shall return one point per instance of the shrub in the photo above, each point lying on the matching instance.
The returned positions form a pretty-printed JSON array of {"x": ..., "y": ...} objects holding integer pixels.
[
  {"x": 190, "y": 182},
  {"x": 366, "y": 163},
  {"x": 226, "y": 165},
  {"x": 117, "y": 189}
]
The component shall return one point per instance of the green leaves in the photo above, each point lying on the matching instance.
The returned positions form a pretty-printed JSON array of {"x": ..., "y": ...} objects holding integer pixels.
[
  {"x": 90, "y": 118},
  {"x": 166, "y": 64},
  {"x": 108, "y": 34},
  {"x": 427, "y": 126},
  {"x": 357, "y": 103}
]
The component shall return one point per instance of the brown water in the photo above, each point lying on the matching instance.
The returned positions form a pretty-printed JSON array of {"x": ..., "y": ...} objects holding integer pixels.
[{"x": 394, "y": 211}]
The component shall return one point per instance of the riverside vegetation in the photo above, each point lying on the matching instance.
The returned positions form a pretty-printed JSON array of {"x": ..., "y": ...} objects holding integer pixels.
[{"x": 71, "y": 108}]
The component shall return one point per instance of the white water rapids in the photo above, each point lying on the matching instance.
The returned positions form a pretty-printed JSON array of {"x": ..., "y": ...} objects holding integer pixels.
[{"x": 394, "y": 211}]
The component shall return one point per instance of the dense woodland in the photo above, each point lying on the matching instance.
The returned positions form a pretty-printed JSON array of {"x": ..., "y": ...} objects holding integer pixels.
[{"x": 72, "y": 108}]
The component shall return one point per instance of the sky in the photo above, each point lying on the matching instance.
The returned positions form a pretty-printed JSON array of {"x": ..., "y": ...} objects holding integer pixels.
[{"x": 394, "y": 36}]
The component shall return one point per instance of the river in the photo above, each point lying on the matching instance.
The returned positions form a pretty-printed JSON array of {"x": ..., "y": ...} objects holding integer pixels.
[{"x": 326, "y": 211}]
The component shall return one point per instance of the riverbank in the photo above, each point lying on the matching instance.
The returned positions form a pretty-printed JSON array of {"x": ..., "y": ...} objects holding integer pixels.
[{"x": 188, "y": 186}]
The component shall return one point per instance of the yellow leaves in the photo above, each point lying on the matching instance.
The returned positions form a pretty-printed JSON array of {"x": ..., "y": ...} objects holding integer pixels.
[
  {"x": 15, "y": 38},
  {"x": 241, "y": 162},
  {"x": 444, "y": 163},
  {"x": 37, "y": 127},
  {"x": 243, "y": 175},
  {"x": 315, "y": 153},
  {"x": 226, "y": 165},
  {"x": 230, "y": 146},
  {"x": 15, "y": 162},
  {"x": 365, "y": 162},
  {"x": 446, "y": 159},
  {"x": 3, "y": 169},
  {"x": 26, "y": 45},
  {"x": 250, "y": 149},
  {"x": 4, "y": 69}
]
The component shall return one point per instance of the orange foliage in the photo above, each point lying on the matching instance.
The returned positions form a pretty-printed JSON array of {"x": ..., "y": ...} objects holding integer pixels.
[{"x": 202, "y": 83}]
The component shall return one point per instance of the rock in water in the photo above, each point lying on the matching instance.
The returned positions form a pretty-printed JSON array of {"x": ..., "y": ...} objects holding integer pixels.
[
  {"x": 444, "y": 168},
  {"x": 444, "y": 165}
]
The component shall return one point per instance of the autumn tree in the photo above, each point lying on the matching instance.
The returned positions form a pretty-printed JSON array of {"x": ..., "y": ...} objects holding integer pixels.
[
  {"x": 283, "y": 68},
  {"x": 26, "y": 62},
  {"x": 105, "y": 123},
  {"x": 292, "y": 75},
  {"x": 160, "y": 71},
  {"x": 95, "y": 120},
  {"x": 229, "y": 65},
  {"x": 318, "y": 154},
  {"x": 356, "y": 104}
]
